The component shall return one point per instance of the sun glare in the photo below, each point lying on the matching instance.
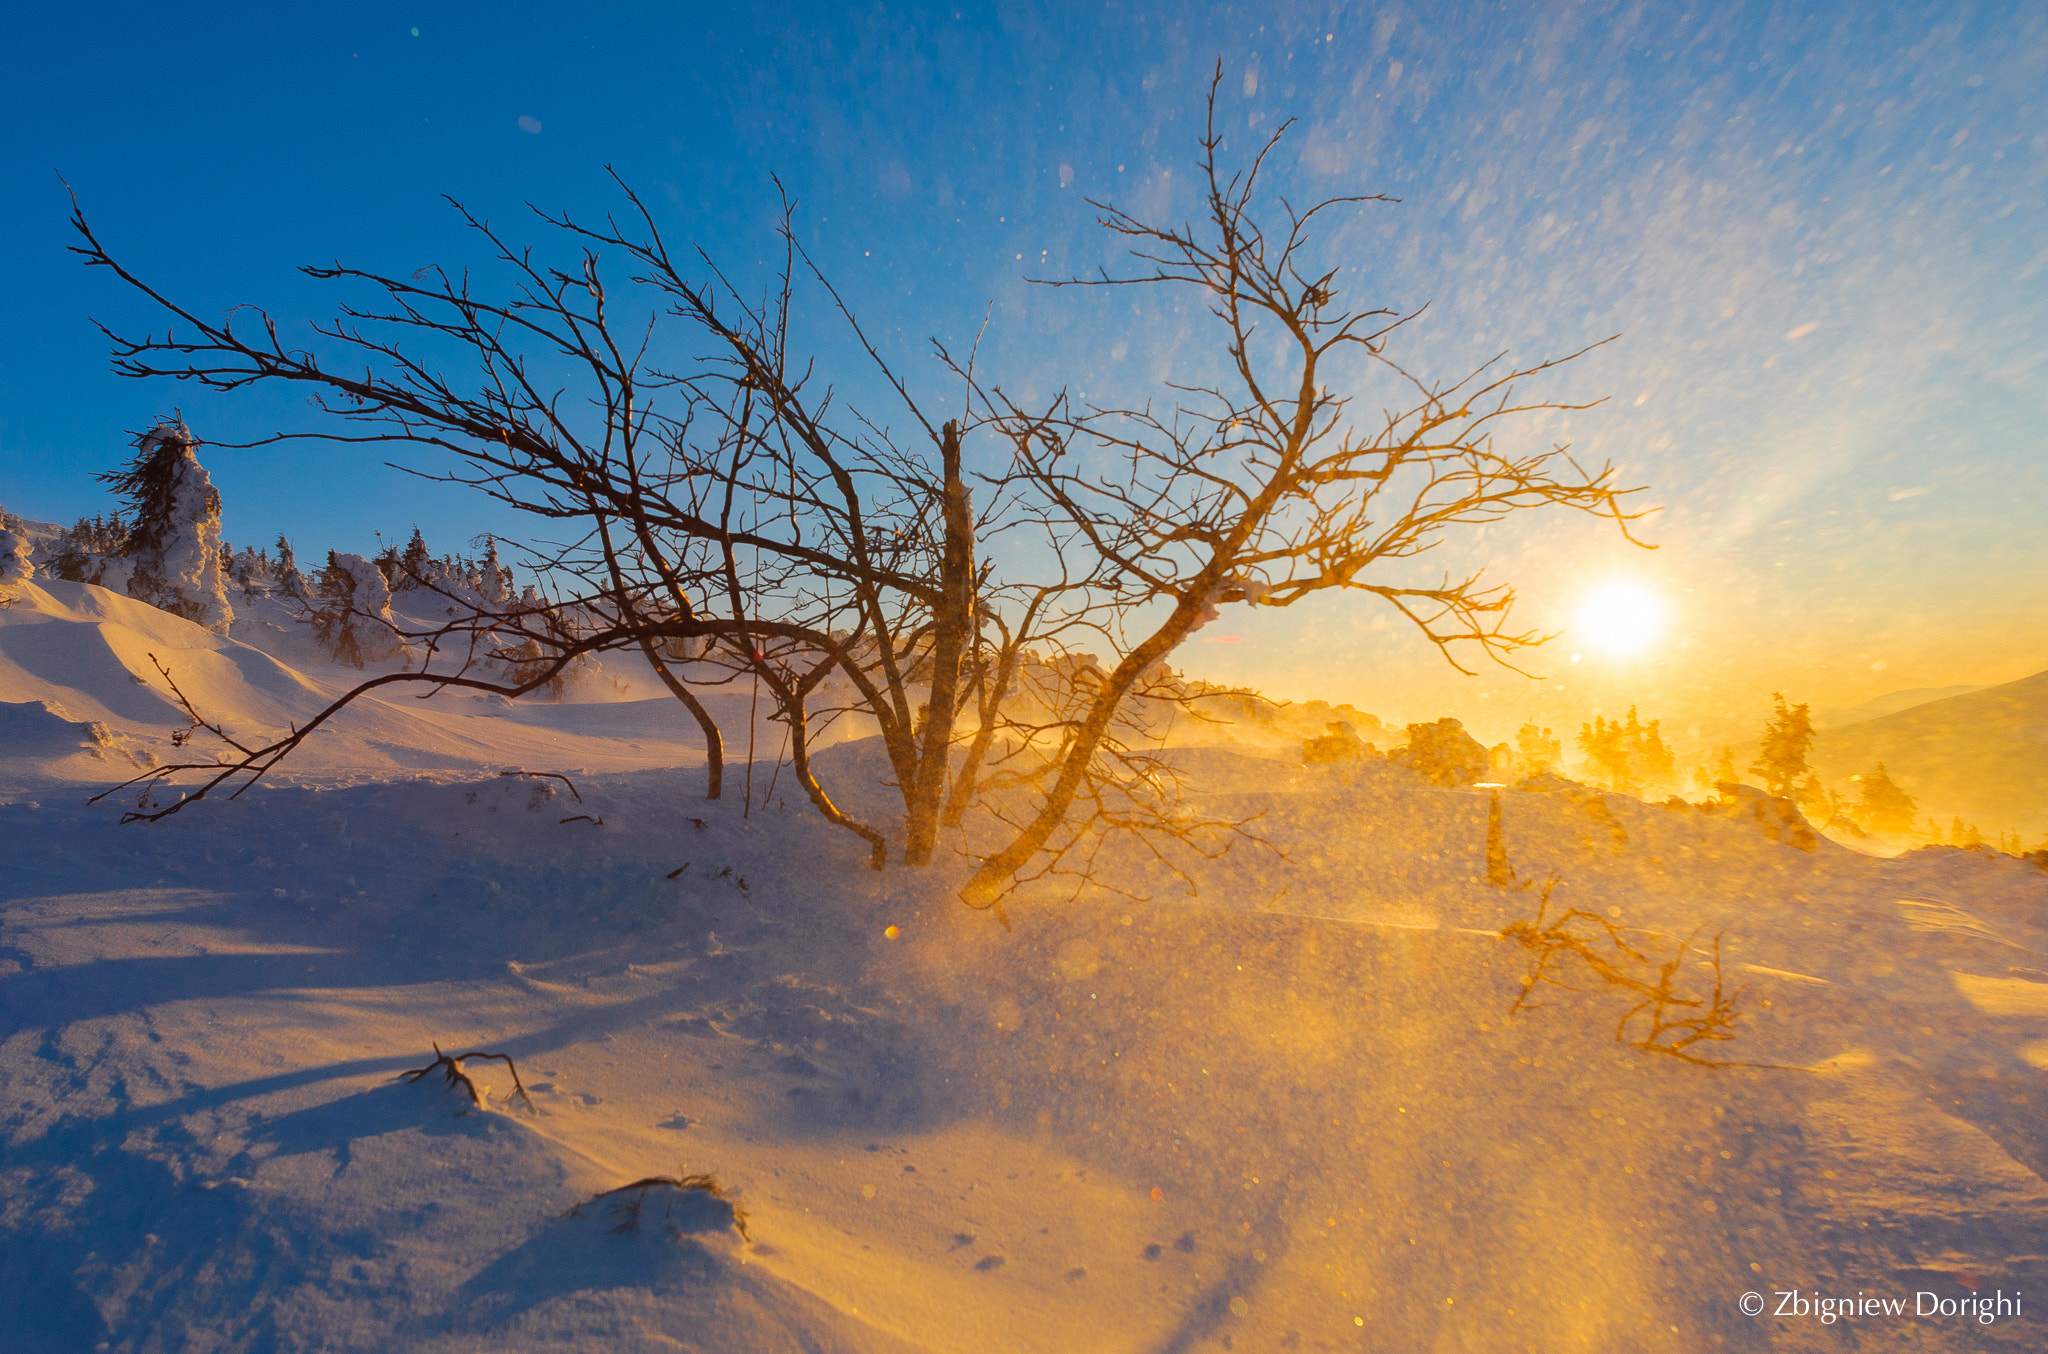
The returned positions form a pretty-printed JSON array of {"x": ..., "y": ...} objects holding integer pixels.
[{"x": 1620, "y": 618}]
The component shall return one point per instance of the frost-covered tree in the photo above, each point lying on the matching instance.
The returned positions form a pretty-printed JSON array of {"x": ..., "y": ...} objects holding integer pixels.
[
  {"x": 1629, "y": 755},
  {"x": 290, "y": 581},
  {"x": 907, "y": 576},
  {"x": 1781, "y": 760},
  {"x": 88, "y": 552},
  {"x": 15, "y": 569},
  {"x": 1539, "y": 748},
  {"x": 174, "y": 539},
  {"x": 495, "y": 581},
  {"x": 415, "y": 564},
  {"x": 352, "y": 615},
  {"x": 1884, "y": 807}
]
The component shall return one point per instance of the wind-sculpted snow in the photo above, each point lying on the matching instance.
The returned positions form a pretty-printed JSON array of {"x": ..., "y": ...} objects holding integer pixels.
[{"x": 1290, "y": 1111}]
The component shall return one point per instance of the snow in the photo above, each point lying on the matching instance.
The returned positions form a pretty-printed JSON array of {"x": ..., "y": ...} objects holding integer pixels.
[{"x": 1291, "y": 1112}]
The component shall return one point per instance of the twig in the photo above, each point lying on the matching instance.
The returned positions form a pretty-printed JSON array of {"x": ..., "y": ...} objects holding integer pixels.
[
  {"x": 548, "y": 775},
  {"x": 1676, "y": 1020},
  {"x": 453, "y": 1074}
]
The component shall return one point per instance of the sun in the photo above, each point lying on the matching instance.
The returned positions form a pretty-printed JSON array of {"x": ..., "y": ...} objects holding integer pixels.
[{"x": 1621, "y": 619}]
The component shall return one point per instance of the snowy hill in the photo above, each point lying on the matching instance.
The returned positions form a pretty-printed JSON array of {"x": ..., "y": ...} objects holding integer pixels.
[
  {"x": 1291, "y": 1112},
  {"x": 1891, "y": 703},
  {"x": 1983, "y": 754}
]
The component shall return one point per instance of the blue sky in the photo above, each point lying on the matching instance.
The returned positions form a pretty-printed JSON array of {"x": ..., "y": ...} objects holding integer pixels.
[{"x": 1818, "y": 229}]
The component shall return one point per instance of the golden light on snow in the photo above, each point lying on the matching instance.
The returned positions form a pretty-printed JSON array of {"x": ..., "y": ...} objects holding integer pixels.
[{"x": 1620, "y": 618}]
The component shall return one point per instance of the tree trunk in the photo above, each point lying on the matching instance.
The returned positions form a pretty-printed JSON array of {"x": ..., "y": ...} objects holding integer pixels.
[
  {"x": 985, "y": 888},
  {"x": 952, "y": 630},
  {"x": 714, "y": 742}
]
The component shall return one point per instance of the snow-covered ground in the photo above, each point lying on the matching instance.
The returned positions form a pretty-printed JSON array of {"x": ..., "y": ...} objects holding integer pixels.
[{"x": 1292, "y": 1112}]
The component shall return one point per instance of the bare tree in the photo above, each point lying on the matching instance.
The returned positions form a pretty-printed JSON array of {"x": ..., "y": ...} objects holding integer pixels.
[
  {"x": 729, "y": 521},
  {"x": 739, "y": 520},
  {"x": 1265, "y": 488}
]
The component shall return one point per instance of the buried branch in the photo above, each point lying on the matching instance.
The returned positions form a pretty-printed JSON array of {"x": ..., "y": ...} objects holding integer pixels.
[
  {"x": 1665, "y": 1018},
  {"x": 629, "y": 1202},
  {"x": 452, "y": 1074}
]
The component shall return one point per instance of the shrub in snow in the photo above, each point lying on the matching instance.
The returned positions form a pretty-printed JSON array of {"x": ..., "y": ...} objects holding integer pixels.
[
  {"x": 352, "y": 614},
  {"x": 1443, "y": 753},
  {"x": 173, "y": 545},
  {"x": 676, "y": 1206}
]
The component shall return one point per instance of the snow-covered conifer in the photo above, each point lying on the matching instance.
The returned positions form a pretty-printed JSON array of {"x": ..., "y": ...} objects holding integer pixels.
[
  {"x": 1539, "y": 749},
  {"x": 15, "y": 569},
  {"x": 91, "y": 552},
  {"x": 1885, "y": 807},
  {"x": 352, "y": 616},
  {"x": 496, "y": 581},
  {"x": 290, "y": 581},
  {"x": 415, "y": 564},
  {"x": 174, "y": 542},
  {"x": 1781, "y": 760}
]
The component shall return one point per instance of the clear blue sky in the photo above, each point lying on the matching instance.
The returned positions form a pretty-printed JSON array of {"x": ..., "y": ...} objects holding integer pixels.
[{"x": 1820, "y": 229}]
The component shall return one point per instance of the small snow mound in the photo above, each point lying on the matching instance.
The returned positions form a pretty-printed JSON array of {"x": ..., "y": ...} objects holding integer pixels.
[
  {"x": 1549, "y": 782},
  {"x": 40, "y": 729},
  {"x": 663, "y": 1207},
  {"x": 1777, "y": 818}
]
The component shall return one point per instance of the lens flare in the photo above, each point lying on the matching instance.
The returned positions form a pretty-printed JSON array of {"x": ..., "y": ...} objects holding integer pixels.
[{"x": 1621, "y": 619}]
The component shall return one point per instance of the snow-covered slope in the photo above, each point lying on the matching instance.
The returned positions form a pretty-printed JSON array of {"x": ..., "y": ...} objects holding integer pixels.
[
  {"x": 96, "y": 655},
  {"x": 1290, "y": 1112},
  {"x": 1983, "y": 755},
  {"x": 1891, "y": 703}
]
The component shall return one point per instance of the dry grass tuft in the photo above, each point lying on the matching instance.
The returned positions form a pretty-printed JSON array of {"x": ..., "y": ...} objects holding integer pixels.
[
  {"x": 452, "y": 1074},
  {"x": 629, "y": 1203},
  {"x": 1666, "y": 1017}
]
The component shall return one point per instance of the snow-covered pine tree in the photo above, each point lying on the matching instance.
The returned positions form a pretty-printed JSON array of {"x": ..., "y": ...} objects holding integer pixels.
[
  {"x": 1884, "y": 806},
  {"x": 1540, "y": 750},
  {"x": 251, "y": 572},
  {"x": 290, "y": 581},
  {"x": 415, "y": 564},
  {"x": 15, "y": 570},
  {"x": 1781, "y": 760},
  {"x": 352, "y": 615},
  {"x": 174, "y": 541},
  {"x": 90, "y": 551},
  {"x": 1659, "y": 766},
  {"x": 1607, "y": 753},
  {"x": 496, "y": 581}
]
